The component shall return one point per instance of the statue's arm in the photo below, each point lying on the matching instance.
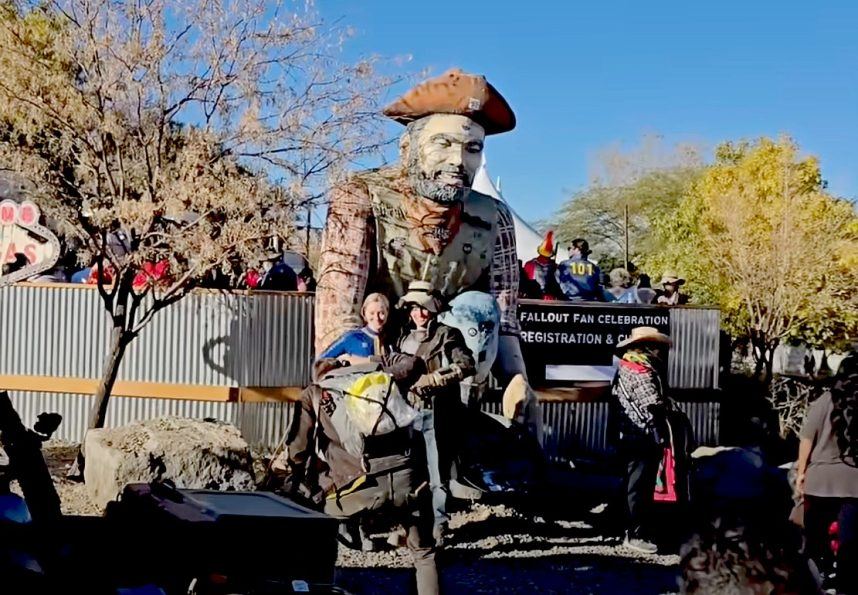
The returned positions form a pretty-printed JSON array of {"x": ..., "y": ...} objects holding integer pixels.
[
  {"x": 504, "y": 272},
  {"x": 343, "y": 264}
]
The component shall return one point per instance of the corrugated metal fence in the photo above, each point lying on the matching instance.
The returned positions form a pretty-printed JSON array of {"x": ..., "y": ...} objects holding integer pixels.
[
  {"x": 260, "y": 339},
  {"x": 263, "y": 425},
  {"x": 571, "y": 430},
  {"x": 575, "y": 430},
  {"x": 694, "y": 358},
  {"x": 209, "y": 338}
]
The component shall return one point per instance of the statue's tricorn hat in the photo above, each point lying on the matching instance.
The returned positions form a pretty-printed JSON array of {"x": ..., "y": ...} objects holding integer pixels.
[{"x": 455, "y": 92}]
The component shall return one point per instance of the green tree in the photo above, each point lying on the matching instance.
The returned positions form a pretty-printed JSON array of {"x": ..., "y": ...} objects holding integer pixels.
[
  {"x": 649, "y": 180},
  {"x": 758, "y": 236}
]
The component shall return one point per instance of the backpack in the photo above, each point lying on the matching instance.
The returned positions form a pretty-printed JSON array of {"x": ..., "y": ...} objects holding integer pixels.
[
  {"x": 372, "y": 421},
  {"x": 361, "y": 403}
]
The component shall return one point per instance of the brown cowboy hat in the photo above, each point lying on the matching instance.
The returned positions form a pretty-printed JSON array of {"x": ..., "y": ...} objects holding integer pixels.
[
  {"x": 455, "y": 92},
  {"x": 644, "y": 334}
]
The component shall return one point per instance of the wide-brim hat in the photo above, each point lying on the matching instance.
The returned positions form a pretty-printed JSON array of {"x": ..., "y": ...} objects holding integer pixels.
[
  {"x": 420, "y": 293},
  {"x": 644, "y": 334},
  {"x": 455, "y": 92},
  {"x": 672, "y": 278}
]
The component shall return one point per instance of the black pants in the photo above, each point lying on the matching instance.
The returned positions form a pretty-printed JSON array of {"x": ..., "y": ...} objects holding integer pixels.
[
  {"x": 818, "y": 515},
  {"x": 641, "y": 461}
]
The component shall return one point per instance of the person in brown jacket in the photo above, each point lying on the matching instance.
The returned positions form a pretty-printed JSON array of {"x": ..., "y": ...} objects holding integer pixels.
[{"x": 437, "y": 393}]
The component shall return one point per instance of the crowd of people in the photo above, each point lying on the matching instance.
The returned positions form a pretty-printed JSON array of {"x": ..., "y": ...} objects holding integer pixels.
[
  {"x": 429, "y": 360},
  {"x": 579, "y": 279},
  {"x": 278, "y": 271}
]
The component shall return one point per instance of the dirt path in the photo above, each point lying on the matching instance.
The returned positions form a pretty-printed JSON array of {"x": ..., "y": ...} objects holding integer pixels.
[{"x": 492, "y": 549}]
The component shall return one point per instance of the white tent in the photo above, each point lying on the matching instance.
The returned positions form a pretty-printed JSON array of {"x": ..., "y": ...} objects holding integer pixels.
[{"x": 527, "y": 239}]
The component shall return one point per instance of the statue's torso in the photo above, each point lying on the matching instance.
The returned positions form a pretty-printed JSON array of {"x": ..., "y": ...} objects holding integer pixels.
[{"x": 457, "y": 260}]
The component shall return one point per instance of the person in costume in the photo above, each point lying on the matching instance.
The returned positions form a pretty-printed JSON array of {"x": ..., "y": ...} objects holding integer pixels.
[
  {"x": 435, "y": 394},
  {"x": 542, "y": 270},
  {"x": 671, "y": 296},
  {"x": 419, "y": 220},
  {"x": 578, "y": 277},
  {"x": 639, "y": 410}
]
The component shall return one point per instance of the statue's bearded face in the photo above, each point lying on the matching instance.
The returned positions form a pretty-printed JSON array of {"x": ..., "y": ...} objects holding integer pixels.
[{"x": 442, "y": 154}]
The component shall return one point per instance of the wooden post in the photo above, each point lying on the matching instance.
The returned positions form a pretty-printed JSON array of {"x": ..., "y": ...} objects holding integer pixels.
[
  {"x": 626, "y": 225},
  {"x": 307, "y": 237}
]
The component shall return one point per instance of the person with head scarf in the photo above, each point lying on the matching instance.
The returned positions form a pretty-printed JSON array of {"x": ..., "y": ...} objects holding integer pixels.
[
  {"x": 639, "y": 415},
  {"x": 827, "y": 476}
]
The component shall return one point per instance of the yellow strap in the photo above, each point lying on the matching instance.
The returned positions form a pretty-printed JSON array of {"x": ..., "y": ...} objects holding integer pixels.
[{"x": 346, "y": 491}]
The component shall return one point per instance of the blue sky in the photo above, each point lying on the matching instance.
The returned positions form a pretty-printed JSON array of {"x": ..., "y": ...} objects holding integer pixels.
[{"x": 582, "y": 76}]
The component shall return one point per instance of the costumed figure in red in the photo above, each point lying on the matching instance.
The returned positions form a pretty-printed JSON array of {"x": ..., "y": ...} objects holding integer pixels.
[{"x": 540, "y": 271}]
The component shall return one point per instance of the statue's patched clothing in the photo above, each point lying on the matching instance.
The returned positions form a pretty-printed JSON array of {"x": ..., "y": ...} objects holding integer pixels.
[
  {"x": 380, "y": 236},
  {"x": 418, "y": 239}
]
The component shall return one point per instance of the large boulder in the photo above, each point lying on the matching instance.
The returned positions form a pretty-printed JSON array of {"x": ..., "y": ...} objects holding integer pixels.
[{"x": 189, "y": 452}]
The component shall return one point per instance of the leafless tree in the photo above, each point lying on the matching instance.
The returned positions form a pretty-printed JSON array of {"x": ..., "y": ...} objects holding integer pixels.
[{"x": 192, "y": 130}]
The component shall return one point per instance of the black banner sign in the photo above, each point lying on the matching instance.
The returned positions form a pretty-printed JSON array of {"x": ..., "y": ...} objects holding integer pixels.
[{"x": 568, "y": 341}]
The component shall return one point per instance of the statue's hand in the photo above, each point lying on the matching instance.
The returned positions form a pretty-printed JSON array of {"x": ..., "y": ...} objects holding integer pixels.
[{"x": 521, "y": 405}]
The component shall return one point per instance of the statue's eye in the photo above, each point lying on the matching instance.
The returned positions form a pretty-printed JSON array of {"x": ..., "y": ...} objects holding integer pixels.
[{"x": 472, "y": 331}]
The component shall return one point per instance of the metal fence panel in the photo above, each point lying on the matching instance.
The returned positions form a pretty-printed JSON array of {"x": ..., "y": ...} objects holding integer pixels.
[
  {"x": 694, "y": 358},
  {"x": 208, "y": 338},
  {"x": 263, "y": 425},
  {"x": 571, "y": 430}
]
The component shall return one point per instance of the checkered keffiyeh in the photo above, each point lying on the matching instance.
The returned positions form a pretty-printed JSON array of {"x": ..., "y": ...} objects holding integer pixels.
[
  {"x": 637, "y": 388},
  {"x": 346, "y": 259}
]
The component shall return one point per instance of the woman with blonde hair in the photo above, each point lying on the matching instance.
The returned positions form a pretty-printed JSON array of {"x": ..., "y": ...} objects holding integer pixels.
[{"x": 368, "y": 340}]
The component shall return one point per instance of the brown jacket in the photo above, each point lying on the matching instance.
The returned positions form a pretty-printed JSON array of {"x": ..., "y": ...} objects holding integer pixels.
[{"x": 447, "y": 359}]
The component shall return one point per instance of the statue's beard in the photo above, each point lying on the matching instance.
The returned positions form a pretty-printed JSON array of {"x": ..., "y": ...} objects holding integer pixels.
[{"x": 426, "y": 185}]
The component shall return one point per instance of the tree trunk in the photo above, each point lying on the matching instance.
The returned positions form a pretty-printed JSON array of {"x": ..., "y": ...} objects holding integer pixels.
[
  {"x": 770, "y": 362},
  {"x": 120, "y": 340},
  {"x": 763, "y": 351},
  {"x": 824, "y": 366}
]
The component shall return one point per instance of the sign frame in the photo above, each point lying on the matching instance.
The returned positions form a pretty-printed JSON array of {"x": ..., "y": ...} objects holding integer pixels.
[
  {"x": 568, "y": 342},
  {"x": 26, "y": 215}
]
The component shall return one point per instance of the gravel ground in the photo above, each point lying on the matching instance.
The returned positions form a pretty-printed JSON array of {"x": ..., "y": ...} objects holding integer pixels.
[{"x": 491, "y": 549}]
